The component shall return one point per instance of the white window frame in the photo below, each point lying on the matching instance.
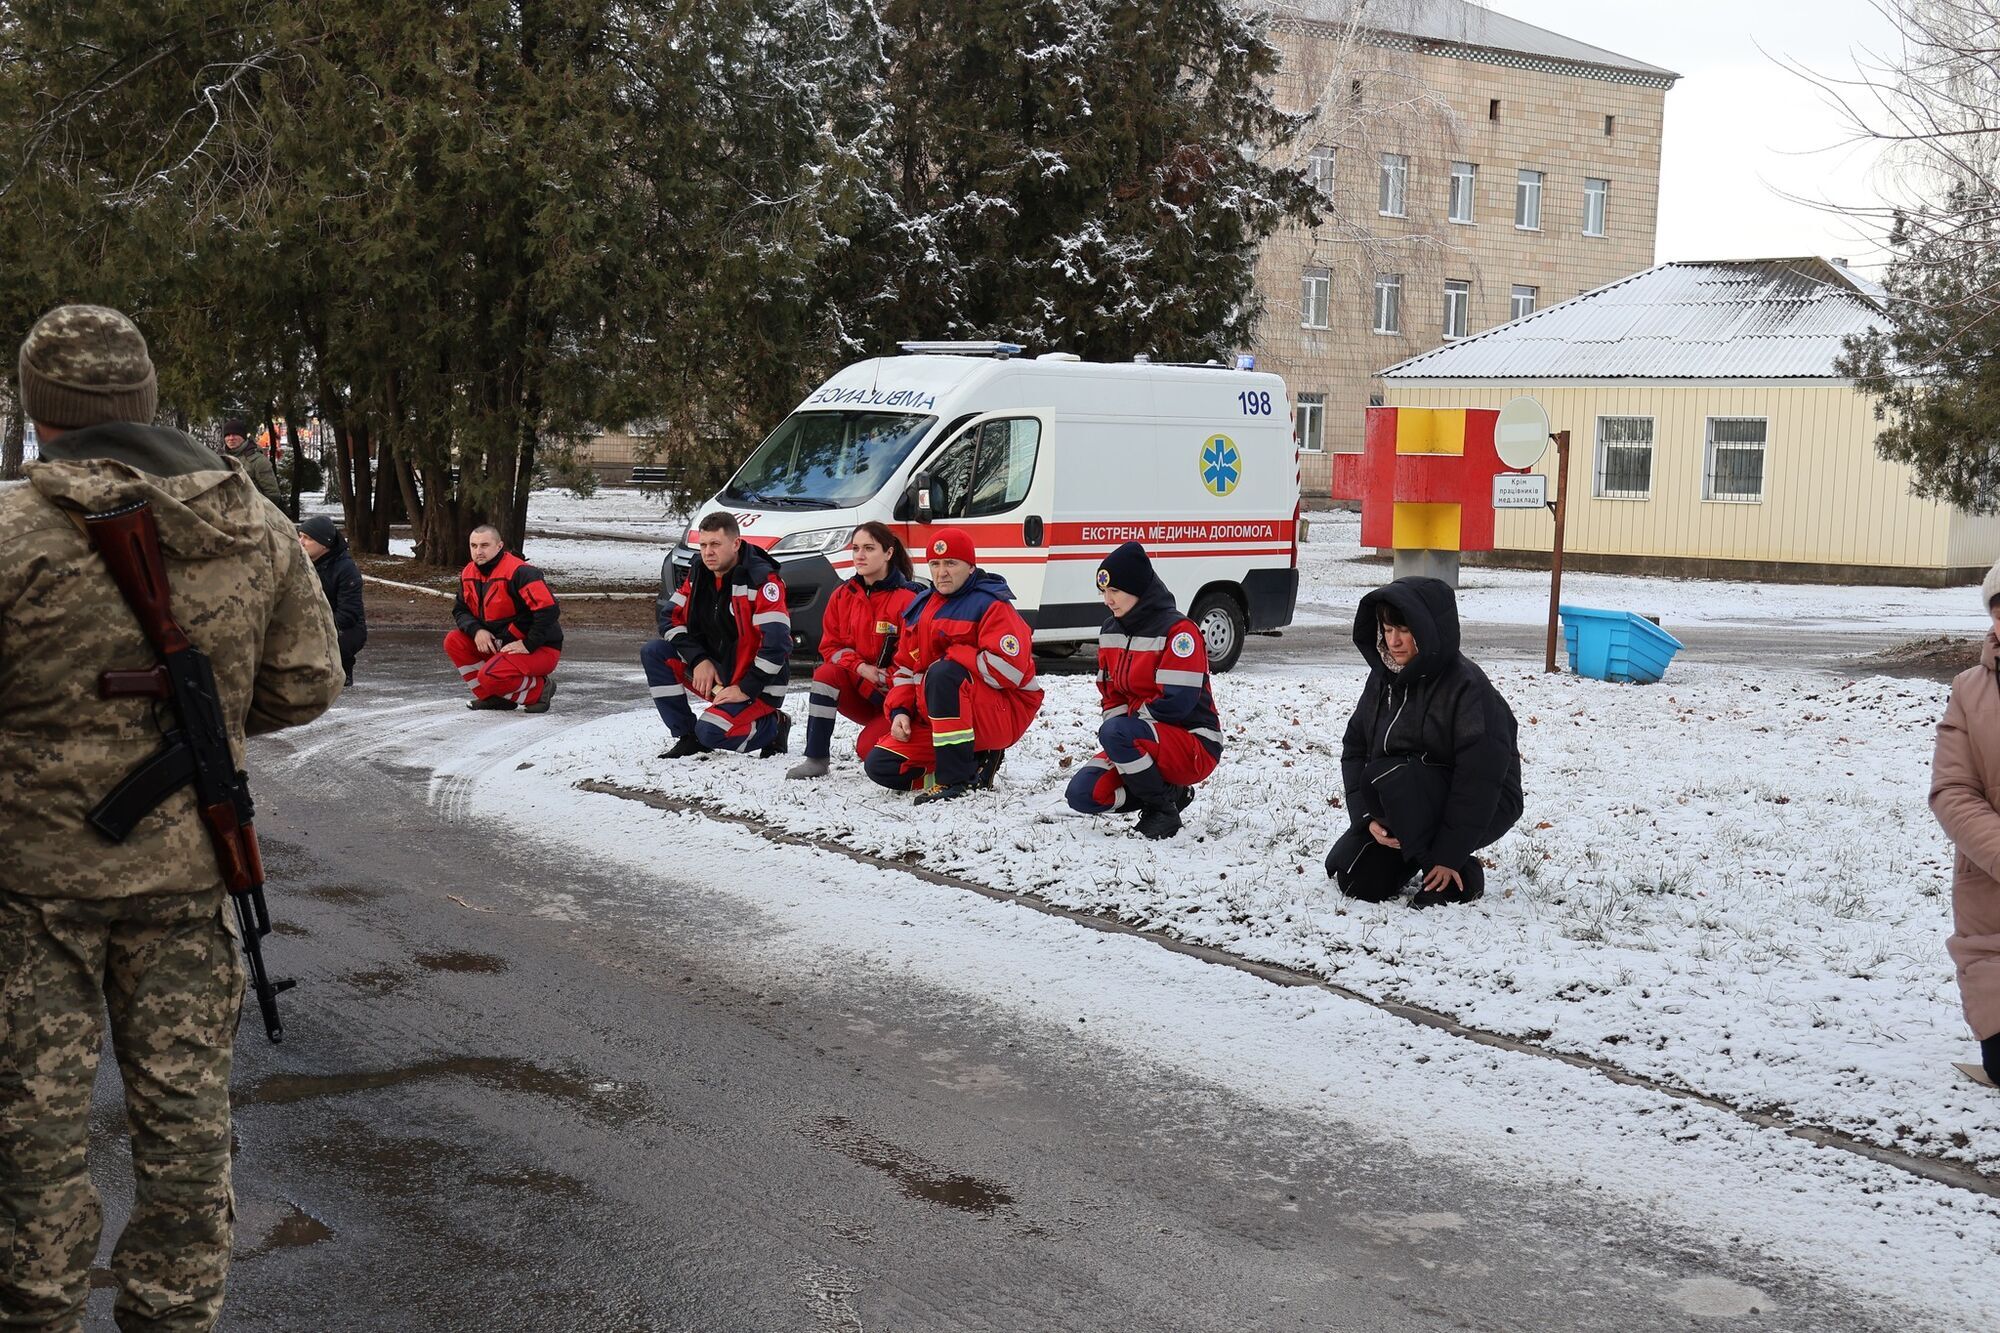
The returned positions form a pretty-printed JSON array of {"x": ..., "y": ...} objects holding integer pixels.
[
  {"x": 1528, "y": 187},
  {"x": 1319, "y": 169},
  {"x": 1533, "y": 296},
  {"x": 1309, "y": 422},
  {"x": 1596, "y": 204},
  {"x": 1389, "y": 303},
  {"x": 1316, "y": 298},
  {"x": 1708, "y": 492},
  {"x": 1461, "y": 200},
  {"x": 1598, "y": 489},
  {"x": 1457, "y": 302},
  {"x": 1393, "y": 198}
]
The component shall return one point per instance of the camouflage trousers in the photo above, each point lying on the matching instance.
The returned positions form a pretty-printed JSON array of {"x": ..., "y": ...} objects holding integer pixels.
[{"x": 166, "y": 970}]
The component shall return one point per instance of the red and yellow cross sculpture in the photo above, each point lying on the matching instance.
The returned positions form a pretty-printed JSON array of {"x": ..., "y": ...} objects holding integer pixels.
[{"x": 1424, "y": 478}]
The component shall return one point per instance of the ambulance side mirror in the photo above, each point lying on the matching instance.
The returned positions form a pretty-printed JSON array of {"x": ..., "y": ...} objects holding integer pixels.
[{"x": 927, "y": 498}]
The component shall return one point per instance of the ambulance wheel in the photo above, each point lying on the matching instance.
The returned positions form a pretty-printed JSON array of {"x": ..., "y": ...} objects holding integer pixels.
[{"x": 1223, "y": 626}]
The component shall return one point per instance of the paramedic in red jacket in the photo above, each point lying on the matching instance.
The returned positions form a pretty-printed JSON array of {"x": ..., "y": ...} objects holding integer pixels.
[
  {"x": 964, "y": 687},
  {"x": 509, "y": 635},
  {"x": 1161, "y": 734},
  {"x": 725, "y": 643},
  {"x": 857, "y": 646}
]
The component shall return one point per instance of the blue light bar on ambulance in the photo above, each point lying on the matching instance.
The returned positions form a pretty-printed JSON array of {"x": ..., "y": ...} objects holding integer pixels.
[{"x": 961, "y": 349}]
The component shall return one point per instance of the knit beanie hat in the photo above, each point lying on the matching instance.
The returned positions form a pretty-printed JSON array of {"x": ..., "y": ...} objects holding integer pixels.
[
  {"x": 1991, "y": 588},
  {"x": 320, "y": 528},
  {"x": 1128, "y": 569},
  {"x": 952, "y": 544},
  {"x": 83, "y": 365},
  {"x": 233, "y": 426}
]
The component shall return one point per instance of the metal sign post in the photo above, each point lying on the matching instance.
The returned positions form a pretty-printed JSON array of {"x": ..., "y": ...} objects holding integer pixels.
[{"x": 1561, "y": 438}]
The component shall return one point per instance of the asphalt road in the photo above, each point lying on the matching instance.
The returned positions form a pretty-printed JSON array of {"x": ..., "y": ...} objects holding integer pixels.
[{"x": 569, "y": 1111}]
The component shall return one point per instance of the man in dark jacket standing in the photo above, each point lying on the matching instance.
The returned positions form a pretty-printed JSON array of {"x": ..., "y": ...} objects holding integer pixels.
[
  {"x": 509, "y": 635},
  {"x": 340, "y": 580},
  {"x": 1429, "y": 760},
  {"x": 239, "y": 446},
  {"x": 725, "y": 638}
]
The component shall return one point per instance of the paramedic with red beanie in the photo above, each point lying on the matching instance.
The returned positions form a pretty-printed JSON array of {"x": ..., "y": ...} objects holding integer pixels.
[
  {"x": 963, "y": 689},
  {"x": 1161, "y": 734}
]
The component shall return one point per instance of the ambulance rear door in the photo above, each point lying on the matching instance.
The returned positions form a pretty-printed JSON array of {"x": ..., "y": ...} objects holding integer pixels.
[{"x": 995, "y": 478}]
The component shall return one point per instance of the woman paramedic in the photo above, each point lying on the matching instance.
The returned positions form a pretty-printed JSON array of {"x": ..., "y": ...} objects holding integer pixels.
[{"x": 857, "y": 646}]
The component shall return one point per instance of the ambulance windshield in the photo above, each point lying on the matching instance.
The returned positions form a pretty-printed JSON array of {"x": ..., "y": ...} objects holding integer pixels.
[{"x": 827, "y": 460}]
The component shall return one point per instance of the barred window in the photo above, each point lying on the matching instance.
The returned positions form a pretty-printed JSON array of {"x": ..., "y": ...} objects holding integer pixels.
[
  {"x": 1309, "y": 422},
  {"x": 1734, "y": 466},
  {"x": 1624, "y": 459}
]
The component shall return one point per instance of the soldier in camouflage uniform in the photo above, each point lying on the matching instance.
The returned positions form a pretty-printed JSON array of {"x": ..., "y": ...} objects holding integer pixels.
[
  {"x": 255, "y": 461},
  {"x": 141, "y": 930}
]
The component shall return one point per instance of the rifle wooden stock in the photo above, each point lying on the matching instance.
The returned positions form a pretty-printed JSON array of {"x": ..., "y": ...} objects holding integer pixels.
[{"x": 129, "y": 541}]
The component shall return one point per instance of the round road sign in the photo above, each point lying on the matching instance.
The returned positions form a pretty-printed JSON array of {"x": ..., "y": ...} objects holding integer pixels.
[{"x": 1521, "y": 436}]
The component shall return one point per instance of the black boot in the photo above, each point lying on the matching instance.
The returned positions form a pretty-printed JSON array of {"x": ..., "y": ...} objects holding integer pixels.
[
  {"x": 495, "y": 704},
  {"x": 782, "y": 742},
  {"x": 1474, "y": 876},
  {"x": 945, "y": 791},
  {"x": 1989, "y": 1055},
  {"x": 989, "y": 768},
  {"x": 1159, "y": 819},
  {"x": 682, "y": 748},
  {"x": 541, "y": 705},
  {"x": 1183, "y": 797}
]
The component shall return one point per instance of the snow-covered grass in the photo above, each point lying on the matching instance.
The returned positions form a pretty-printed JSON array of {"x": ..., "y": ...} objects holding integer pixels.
[
  {"x": 1731, "y": 883},
  {"x": 575, "y": 565},
  {"x": 1334, "y": 572}
]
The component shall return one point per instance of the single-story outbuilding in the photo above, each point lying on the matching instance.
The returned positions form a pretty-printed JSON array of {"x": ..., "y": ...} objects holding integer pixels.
[{"x": 1710, "y": 432}]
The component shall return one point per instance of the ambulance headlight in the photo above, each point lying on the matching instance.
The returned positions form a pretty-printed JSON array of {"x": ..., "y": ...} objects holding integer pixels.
[{"x": 820, "y": 541}]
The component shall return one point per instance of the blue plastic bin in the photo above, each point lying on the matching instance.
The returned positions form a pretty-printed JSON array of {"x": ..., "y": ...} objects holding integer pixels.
[{"x": 1616, "y": 645}]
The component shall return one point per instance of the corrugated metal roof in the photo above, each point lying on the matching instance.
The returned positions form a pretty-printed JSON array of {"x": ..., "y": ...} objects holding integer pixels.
[
  {"x": 1733, "y": 319},
  {"x": 1461, "y": 23}
]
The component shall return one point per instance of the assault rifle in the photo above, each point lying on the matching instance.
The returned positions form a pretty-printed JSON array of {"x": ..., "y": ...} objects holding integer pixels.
[{"x": 196, "y": 752}]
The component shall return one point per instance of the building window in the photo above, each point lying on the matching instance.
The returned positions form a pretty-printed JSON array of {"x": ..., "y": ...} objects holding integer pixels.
[
  {"x": 1309, "y": 422},
  {"x": 1315, "y": 298},
  {"x": 1624, "y": 458},
  {"x": 1463, "y": 176},
  {"x": 1389, "y": 303},
  {"x": 1596, "y": 195},
  {"x": 1528, "y": 200},
  {"x": 1457, "y": 307},
  {"x": 1493, "y": 109},
  {"x": 1734, "y": 466},
  {"x": 1522, "y": 302},
  {"x": 1395, "y": 184},
  {"x": 1319, "y": 169},
  {"x": 1610, "y": 123}
]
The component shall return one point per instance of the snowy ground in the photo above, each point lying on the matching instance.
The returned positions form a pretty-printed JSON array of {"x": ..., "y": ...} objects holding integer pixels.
[
  {"x": 580, "y": 564},
  {"x": 1726, "y": 883},
  {"x": 1756, "y": 935},
  {"x": 1334, "y": 574}
]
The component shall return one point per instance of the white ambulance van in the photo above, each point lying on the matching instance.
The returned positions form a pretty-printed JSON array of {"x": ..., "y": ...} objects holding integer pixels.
[{"x": 1049, "y": 463}]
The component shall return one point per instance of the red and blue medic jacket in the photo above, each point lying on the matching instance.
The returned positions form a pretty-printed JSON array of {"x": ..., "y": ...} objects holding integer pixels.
[
  {"x": 509, "y": 600},
  {"x": 860, "y": 621},
  {"x": 976, "y": 627},
  {"x": 1154, "y": 664},
  {"x": 763, "y": 622}
]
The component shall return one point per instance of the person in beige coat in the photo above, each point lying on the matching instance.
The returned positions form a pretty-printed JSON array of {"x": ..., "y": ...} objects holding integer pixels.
[{"x": 1965, "y": 797}]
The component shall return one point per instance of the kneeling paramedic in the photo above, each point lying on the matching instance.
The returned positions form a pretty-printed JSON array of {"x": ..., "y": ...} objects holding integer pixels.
[
  {"x": 725, "y": 638},
  {"x": 963, "y": 687},
  {"x": 1161, "y": 734},
  {"x": 509, "y": 635},
  {"x": 857, "y": 647},
  {"x": 1429, "y": 759}
]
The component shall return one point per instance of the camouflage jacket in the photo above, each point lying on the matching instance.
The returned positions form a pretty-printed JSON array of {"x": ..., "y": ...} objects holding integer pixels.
[
  {"x": 262, "y": 475},
  {"x": 243, "y": 591}
]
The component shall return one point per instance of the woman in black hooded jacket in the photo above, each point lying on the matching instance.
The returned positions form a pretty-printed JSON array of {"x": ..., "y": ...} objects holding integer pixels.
[
  {"x": 340, "y": 580},
  {"x": 1429, "y": 760}
]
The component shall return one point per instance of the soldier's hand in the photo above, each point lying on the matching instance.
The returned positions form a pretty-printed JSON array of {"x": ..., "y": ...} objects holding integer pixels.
[
  {"x": 484, "y": 641},
  {"x": 705, "y": 679},
  {"x": 900, "y": 728},
  {"x": 1381, "y": 835}
]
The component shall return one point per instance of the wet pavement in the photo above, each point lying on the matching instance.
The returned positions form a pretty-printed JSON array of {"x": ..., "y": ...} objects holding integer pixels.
[{"x": 518, "y": 1092}]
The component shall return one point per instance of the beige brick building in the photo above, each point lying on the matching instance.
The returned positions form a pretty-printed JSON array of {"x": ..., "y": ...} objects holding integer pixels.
[{"x": 1476, "y": 168}]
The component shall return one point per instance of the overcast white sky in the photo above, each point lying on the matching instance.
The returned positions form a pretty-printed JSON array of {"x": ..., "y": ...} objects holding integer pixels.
[{"x": 1741, "y": 132}]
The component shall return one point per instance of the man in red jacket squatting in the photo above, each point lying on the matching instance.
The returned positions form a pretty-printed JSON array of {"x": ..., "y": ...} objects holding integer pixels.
[
  {"x": 963, "y": 688},
  {"x": 725, "y": 638},
  {"x": 509, "y": 635}
]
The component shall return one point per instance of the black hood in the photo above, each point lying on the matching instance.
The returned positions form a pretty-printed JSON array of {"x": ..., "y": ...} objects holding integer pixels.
[
  {"x": 1153, "y": 614},
  {"x": 753, "y": 567},
  {"x": 1429, "y": 608},
  {"x": 153, "y": 449}
]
